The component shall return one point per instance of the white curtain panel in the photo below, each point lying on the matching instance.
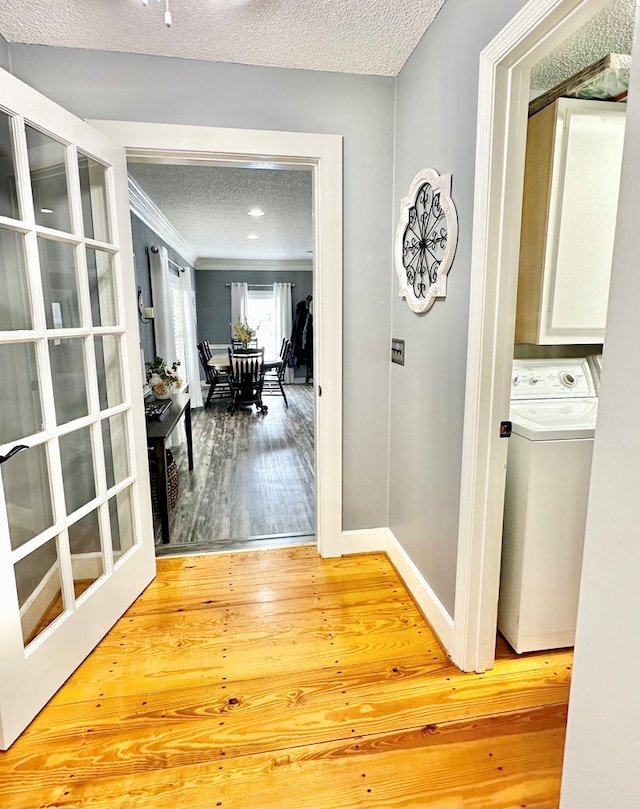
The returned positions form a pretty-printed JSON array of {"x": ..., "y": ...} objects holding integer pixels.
[
  {"x": 162, "y": 324},
  {"x": 283, "y": 320},
  {"x": 239, "y": 302},
  {"x": 192, "y": 361},
  {"x": 163, "y": 321}
]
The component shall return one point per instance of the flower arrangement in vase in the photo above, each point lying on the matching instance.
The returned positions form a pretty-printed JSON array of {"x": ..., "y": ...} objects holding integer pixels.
[
  {"x": 243, "y": 332},
  {"x": 163, "y": 378}
]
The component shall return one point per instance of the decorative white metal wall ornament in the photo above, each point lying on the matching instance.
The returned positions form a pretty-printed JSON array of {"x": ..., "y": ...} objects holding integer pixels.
[{"x": 426, "y": 239}]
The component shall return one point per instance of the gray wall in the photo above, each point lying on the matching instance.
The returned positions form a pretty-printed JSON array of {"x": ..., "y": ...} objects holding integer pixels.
[
  {"x": 213, "y": 297},
  {"x": 94, "y": 84},
  {"x": 144, "y": 238},
  {"x": 427, "y": 393}
]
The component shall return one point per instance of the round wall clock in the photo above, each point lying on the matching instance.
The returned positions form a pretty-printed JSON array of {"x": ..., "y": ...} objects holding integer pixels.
[{"x": 426, "y": 239}]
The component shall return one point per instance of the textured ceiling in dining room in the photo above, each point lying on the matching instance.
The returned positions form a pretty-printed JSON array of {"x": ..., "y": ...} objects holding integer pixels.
[{"x": 209, "y": 205}]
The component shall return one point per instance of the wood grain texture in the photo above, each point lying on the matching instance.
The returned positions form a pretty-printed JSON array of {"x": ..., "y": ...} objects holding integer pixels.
[
  {"x": 253, "y": 475},
  {"x": 535, "y": 222},
  {"x": 277, "y": 679}
]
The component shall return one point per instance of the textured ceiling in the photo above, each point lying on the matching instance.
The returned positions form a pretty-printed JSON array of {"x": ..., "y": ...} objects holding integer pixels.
[
  {"x": 610, "y": 31},
  {"x": 349, "y": 36},
  {"x": 208, "y": 207}
]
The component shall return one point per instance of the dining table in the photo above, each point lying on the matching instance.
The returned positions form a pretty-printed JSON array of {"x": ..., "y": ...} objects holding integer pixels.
[{"x": 221, "y": 363}]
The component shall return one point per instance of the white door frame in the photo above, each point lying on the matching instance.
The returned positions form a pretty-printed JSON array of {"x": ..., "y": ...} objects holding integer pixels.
[
  {"x": 323, "y": 154},
  {"x": 503, "y": 98}
]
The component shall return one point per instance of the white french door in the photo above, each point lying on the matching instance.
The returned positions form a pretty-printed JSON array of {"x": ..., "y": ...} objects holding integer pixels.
[{"x": 76, "y": 538}]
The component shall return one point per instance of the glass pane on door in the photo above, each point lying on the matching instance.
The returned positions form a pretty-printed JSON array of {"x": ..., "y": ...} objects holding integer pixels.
[
  {"x": 59, "y": 284},
  {"x": 47, "y": 164},
  {"x": 20, "y": 404},
  {"x": 93, "y": 187},
  {"x": 76, "y": 455},
  {"x": 109, "y": 371},
  {"x": 8, "y": 195},
  {"x": 27, "y": 493},
  {"x": 122, "y": 525},
  {"x": 102, "y": 288},
  {"x": 68, "y": 379},
  {"x": 116, "y": 449},
  {"x": 15, "y": 311},
  {"x": 86, "y": 552},
  {"x": 39, "y": 590}
]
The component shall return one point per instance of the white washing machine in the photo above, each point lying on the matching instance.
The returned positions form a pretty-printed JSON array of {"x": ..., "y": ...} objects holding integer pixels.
[{"x": 553, "y": 413}]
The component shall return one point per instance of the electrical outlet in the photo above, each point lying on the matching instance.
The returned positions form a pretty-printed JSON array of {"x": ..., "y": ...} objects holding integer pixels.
[{"x": 397, "y": 351}]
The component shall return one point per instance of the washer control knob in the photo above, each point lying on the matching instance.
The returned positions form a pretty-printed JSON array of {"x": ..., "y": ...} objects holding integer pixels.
[
  {"x": 534, "y": 380},
  {"x": 568, "y": 379},
  {"x": 515, "y": 380}
]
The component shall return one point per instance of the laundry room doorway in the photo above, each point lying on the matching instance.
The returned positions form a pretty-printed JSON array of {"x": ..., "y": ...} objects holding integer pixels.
[{"x": 505, "y": 71}]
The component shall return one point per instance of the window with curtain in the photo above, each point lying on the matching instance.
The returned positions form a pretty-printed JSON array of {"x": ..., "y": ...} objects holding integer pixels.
[
  {"x": 177, "y": 321},
  {"x": 261, "y": 317}
]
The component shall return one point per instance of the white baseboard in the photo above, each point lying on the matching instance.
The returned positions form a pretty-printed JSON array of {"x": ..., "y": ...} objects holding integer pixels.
[
  {"x": 383, "y": 540},
  {"x": 87, "y": 565},
  {"x": 368, "y": 540},
  {"x": 42, "y": 597}
]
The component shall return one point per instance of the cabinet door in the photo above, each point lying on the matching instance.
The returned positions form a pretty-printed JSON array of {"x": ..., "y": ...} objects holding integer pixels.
[{"x": 584, "y": 202}]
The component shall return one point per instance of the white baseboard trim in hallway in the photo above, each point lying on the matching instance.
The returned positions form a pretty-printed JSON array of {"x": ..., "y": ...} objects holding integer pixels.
[{"x": 372, "y": 540}]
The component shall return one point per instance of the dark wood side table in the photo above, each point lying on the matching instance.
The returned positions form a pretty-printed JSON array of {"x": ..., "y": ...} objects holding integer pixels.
[{"x": 157, "y": 433}]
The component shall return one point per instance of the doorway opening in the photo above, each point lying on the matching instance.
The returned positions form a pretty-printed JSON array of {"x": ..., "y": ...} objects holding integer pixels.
[
  {"x": 246, "y": 234},
  {"x": 504, "y": 96},
  {"x": 322, "y": 155}
]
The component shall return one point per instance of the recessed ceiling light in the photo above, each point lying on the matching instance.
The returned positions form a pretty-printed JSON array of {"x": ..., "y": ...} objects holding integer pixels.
[
  {"x": 252, "y": 236},
  {"x": 255, "y": 212},
  {"x": 46, "y": 210}
]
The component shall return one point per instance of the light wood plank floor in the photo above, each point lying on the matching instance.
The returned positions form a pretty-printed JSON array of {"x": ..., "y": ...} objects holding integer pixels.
[
  {"x": 278, "y": 680},
  {"x": 253, "y": 475}
]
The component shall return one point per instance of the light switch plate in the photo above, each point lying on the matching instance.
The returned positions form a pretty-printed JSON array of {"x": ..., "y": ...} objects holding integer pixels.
[{"x": 397, "y": 351}]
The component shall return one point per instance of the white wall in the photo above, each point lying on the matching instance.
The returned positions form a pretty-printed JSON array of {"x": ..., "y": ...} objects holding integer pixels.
[
  {"x": 437, "y": 93},
  {"x": 602, "y": 751},
  {"x": 93, "y": 84}
]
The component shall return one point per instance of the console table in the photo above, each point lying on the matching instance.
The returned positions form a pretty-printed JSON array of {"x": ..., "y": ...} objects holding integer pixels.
[{"x": 157, "y": 433}]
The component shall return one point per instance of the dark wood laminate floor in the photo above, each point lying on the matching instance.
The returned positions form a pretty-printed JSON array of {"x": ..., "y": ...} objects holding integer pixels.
[{"x": 253, "y": 480}]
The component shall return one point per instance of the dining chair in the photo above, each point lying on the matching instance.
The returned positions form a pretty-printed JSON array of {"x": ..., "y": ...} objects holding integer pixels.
[
  {"x": 250, "y": 344},
  {"x": 246, "y": 379},
  {"x": 218, "y": 382},
  {"x": 274, "y": 378}
]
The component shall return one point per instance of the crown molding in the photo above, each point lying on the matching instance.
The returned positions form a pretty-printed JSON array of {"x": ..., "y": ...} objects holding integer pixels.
[
  {"x": 253, "y": 265},
  {"x": 142, "y": 206}
]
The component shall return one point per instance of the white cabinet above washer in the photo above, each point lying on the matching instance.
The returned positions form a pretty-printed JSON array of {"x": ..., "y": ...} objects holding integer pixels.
[{"x": 570, "y": 200}]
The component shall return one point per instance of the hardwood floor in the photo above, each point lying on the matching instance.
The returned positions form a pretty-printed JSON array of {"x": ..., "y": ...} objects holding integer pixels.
[
  {"x": 279, "y": 680},
  {"x": 253, "y": 476}
]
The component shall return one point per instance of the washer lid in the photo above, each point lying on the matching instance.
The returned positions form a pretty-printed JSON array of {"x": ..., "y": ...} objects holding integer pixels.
[
  {"x": 551, "y": 379},
  {"x": 555, "y": 420}
]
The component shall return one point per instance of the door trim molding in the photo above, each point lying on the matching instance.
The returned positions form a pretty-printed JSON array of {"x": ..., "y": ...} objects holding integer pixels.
[
  {"x": 322, "y": 154},
  {"x": 503, "y": 96},
  {"x": 142, "y": 206}
]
